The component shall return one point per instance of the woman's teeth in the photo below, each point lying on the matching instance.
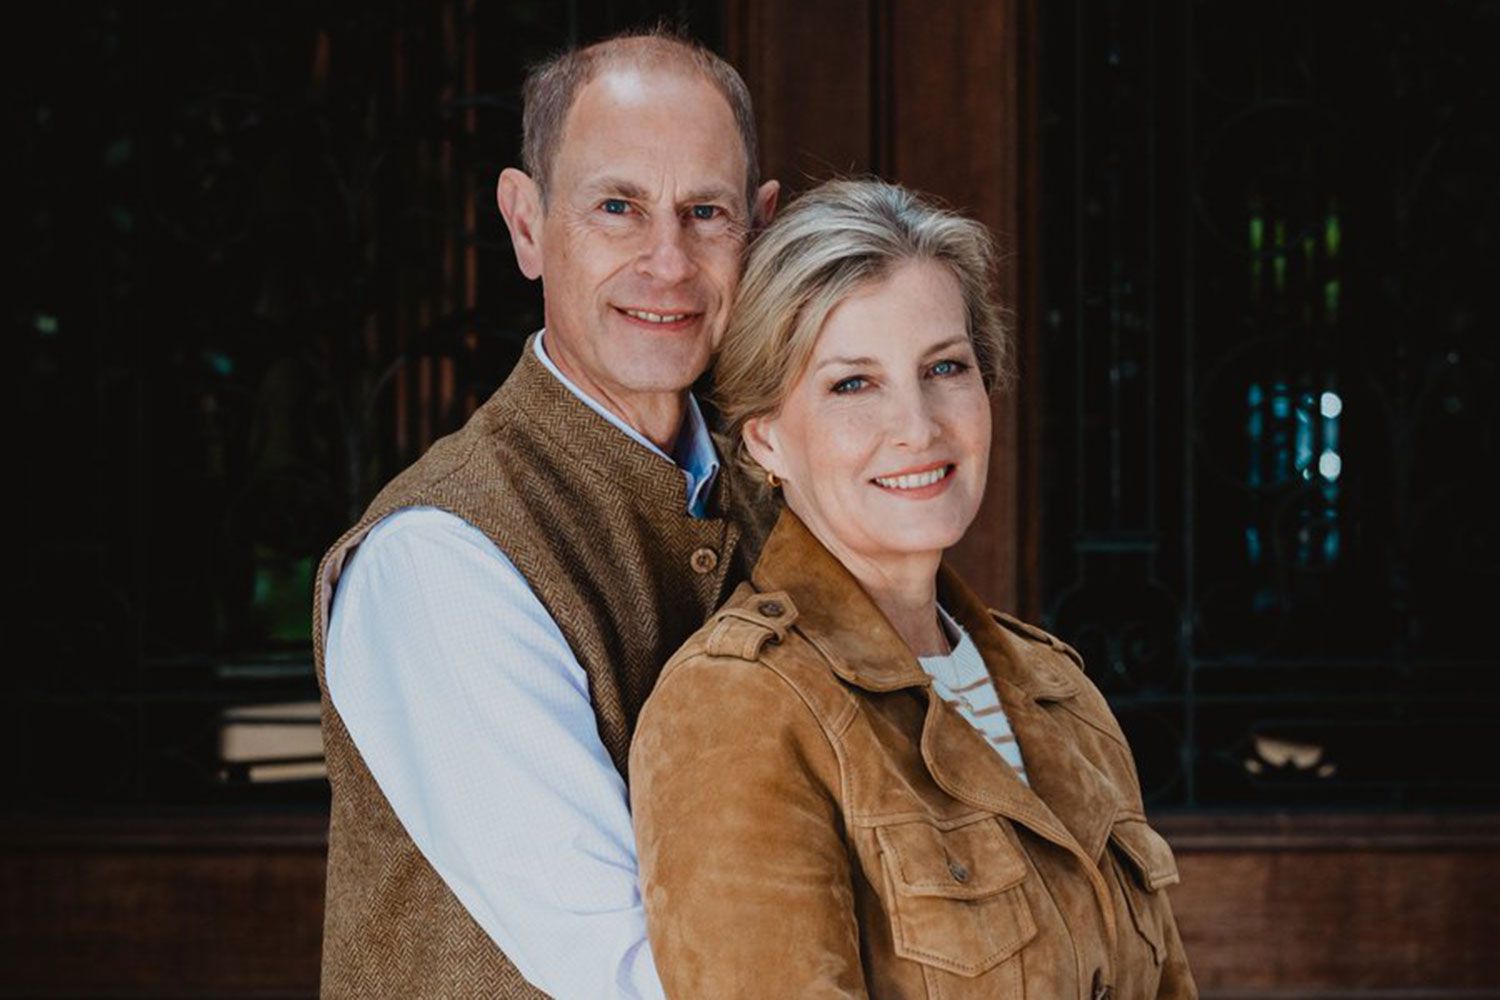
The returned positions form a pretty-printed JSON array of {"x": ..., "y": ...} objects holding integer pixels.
[
  {"x": 915, "y": 480},
  {"x": 651, "y": 317}
]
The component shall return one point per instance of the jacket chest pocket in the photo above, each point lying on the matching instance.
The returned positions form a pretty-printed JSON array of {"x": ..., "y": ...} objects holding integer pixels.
[
  {"x": 956, "y": 900},
  {"x": 1144, "y": 865}
]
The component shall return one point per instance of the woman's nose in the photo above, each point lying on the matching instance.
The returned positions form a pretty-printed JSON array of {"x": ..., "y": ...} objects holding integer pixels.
[{"x": 914, "y": 421}]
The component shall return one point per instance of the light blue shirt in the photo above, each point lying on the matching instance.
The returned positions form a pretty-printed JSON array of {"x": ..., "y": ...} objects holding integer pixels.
[{"x": 474, "y": 717}]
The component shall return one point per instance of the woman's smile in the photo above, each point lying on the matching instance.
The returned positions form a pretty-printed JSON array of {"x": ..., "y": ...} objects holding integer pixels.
[
  {"x": 891, "y": 409},
  {"x": 918, "y": 483}
]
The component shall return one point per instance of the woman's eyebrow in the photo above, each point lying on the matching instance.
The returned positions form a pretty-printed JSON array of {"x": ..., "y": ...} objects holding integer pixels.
[
  {"x": 851, "y": 362},
  {"x": 948, "y": 344}
]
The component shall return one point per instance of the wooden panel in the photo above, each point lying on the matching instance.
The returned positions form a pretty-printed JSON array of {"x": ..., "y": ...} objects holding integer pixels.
[
  {"x": 930, "y": 96},
  {"x": 958, "y": 130},
  {"x": 231, "y": 906},
  {"x": 1270, "y": 907},
  {"x": 1339, "y": 906},
  {"x": 807, "y": 65}
]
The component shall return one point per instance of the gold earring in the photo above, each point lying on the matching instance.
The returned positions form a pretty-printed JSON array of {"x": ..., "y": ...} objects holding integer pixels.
[{"x": 772, "y": 479}]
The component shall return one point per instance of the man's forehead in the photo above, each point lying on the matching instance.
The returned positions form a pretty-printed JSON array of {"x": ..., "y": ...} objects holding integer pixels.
[{"x": 660, "y": 117}]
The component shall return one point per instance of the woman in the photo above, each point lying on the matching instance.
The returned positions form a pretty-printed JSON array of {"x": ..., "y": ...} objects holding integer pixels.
[{"x": 855, "y": 780}]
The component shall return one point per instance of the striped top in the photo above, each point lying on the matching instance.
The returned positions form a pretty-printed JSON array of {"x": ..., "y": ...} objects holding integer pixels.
[{"x": 960, "y": 679}]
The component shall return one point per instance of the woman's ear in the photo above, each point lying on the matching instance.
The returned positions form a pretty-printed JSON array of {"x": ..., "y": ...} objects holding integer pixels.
[
  {"x": 761, "y": 442},
  {"x": 520, "y": 202}
]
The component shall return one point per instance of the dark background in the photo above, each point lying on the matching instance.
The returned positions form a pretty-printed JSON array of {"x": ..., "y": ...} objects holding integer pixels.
[{"x": 257, "y": 270}]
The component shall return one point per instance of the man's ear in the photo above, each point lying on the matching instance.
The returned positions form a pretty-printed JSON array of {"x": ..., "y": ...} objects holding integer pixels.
[
  {"x": 765, "y": 202},
  {"x": 761, "y": 442},
  {"x": 520, "y": 203}
]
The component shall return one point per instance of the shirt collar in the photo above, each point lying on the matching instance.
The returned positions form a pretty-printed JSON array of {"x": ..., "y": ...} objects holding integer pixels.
[{"x": 695, "y": 455}]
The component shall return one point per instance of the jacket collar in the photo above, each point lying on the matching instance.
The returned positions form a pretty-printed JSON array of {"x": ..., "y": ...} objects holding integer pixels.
[
  {"x": 1070, "y": 800},
  {"x": 833, "y": 611},
  {"x": 859, "y": 642}
]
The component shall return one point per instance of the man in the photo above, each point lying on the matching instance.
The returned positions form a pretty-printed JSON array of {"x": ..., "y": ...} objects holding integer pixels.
[{"x": 515, "y": 592}]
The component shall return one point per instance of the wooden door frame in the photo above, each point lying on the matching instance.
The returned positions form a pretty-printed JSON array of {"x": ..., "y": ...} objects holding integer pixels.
[{"x": 941, "y": 98}]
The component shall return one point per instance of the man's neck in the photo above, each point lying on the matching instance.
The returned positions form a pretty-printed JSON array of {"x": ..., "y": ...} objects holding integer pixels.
[{"x": 656, "y": 416}]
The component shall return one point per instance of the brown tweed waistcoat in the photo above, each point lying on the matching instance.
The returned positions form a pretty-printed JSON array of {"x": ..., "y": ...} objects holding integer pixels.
[{"x": 597, "y": 525}]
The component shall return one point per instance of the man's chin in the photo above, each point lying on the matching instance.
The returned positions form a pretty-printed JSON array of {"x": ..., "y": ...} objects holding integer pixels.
[{"x": 665, "y": 370}]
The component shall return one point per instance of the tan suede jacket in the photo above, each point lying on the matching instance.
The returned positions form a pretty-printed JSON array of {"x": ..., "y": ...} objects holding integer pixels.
[{"x": 814, "y": 822}]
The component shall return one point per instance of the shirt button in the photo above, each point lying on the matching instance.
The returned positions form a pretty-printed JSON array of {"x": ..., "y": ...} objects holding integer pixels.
[
  {"x": 772, "y": 609},
  {"x": 704, "y": 561},
  {"x": 958, "y": 871}
]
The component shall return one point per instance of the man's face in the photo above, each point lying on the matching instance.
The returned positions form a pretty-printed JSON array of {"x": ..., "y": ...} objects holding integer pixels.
[{"x": 642, "y": 234}]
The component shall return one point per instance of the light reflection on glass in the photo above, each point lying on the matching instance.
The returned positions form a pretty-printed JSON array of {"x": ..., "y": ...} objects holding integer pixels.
[{"x": 1293, "y": 436}]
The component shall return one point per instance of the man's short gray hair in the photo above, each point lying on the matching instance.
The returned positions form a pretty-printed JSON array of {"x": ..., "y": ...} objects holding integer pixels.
[
  {"x": 551, "y": 88},
  {"x": 833, "y": 241}
]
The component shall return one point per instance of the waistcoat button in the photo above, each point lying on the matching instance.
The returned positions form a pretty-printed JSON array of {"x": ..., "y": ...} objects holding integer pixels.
[
  {"x": 772, "y": 609},
  {"x": 958, "y": 871},
  {"x": 704, "y": 561}
]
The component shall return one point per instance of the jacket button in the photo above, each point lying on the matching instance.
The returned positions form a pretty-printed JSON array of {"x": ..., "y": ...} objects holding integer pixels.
[
  {"x": 772, "y": 609},
  {"x": 704, "y": 561},
  {"x": 958, "y": 871}
]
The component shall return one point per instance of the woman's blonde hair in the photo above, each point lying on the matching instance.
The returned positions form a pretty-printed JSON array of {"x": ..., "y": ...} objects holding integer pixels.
[{"x": 833, "y": 241}]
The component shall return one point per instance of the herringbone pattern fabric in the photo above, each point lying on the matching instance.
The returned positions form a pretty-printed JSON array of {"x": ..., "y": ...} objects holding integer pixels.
[{"x": 597, "y": 525}]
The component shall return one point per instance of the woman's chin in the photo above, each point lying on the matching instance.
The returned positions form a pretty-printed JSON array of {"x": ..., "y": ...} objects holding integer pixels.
[{"x": 910, "y": 541}]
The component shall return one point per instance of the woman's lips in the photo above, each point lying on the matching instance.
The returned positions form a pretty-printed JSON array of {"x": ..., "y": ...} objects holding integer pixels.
[{"x": 918, "y": 483}]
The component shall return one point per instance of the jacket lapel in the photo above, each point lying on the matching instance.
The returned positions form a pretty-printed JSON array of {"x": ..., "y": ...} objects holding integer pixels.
[
  {"x": 1069, "y": 801},
  {"x": 1029, "y": 677}
]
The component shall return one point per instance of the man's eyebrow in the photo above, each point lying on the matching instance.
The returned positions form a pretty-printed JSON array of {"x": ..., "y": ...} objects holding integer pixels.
[
  {"x": 617, "y": 187},
  {"x": 712, "y": 193}
]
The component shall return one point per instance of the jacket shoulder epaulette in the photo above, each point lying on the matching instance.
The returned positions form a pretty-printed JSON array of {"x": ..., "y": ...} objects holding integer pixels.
[
  {"x": 742, "y": 628},
  {"x": 1028, "y": 631}
]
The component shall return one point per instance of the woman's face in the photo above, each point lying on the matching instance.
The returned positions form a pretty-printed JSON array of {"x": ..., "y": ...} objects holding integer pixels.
[{"x": 883, "y": 442}]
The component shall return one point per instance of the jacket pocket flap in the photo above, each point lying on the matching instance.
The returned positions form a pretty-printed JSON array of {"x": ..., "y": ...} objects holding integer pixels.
[
  {"x": 969, "y": 862},
  {"x": 1148, "y": 853}
]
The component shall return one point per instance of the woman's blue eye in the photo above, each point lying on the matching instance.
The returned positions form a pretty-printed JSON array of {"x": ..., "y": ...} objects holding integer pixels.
[
  {"x": 853, "y": 383},
  {"x": 616, "y": 206},
  {"x": 949, "y": 367}
]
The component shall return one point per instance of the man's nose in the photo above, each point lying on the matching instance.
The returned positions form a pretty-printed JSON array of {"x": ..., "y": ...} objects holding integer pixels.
[{"x": 667, "y": 256}]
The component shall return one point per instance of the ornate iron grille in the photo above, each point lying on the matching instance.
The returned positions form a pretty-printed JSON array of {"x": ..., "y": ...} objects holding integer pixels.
[{"x": 1271, "y": 232}]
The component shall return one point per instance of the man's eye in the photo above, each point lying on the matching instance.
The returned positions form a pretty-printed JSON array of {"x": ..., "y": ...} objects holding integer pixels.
[
  {"x": 853, "y": 383},
  {"x": 706, "y": 213},
  {"x": 616, "y": 206}
]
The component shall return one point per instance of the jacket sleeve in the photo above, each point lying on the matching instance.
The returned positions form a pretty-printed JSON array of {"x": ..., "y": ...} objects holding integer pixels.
[{"x": 744, "y": 865}]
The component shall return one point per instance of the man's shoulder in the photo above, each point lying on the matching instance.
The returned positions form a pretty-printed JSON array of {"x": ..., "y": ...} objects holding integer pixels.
[{"x": 424, "y": 529}]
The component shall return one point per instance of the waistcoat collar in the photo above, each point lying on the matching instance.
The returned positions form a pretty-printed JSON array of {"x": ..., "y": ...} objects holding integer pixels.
[{"x": 570, "y": 425}]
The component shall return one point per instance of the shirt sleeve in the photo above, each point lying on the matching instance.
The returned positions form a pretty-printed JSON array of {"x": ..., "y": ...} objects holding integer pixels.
[{"x": 474, "y": 717}]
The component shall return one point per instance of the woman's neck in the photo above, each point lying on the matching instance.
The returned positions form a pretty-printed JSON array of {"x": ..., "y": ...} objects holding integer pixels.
[
  {"x": 913, "y": 613},
  {"x": 904, "y": 588}
]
